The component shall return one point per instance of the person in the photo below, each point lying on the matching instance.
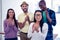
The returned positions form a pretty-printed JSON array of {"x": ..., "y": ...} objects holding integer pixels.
[
  {"x": 49, "y": 18},
  {"x": 10, "y": 25},
  {"x": 37, "y": 29},
  {"x": 24, "y": 20}
]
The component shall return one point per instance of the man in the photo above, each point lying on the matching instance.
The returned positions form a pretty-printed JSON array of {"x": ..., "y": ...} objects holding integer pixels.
[
  {"x": 24, "y": 20},
  {"x": 49, "y": 18}
]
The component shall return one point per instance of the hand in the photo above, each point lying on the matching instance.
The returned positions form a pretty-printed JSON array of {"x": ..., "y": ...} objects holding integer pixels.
[
  {"x": 47, "y": 15},
  {"x": 13, "y": 23},
  {"x": 36, "y": 26},
  {"x": 36, "y": 29},
  {"x": 27, "y": 18},
  {"x": 20, "y": 25},
  {"x": 10, "y": 22},
  {"x": 33, "y": 29}
]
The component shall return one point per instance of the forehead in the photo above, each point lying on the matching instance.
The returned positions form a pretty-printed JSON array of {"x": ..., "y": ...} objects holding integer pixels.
[
  {"x": 42, "y": 3},
  {"x": 10, "y": 10},
  {"x": 38, "y": 13},
  {"x": 24, "y": 5}
]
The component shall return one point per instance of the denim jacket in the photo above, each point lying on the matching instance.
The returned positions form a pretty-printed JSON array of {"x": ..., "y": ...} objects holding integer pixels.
[{"x": 50, "y": 29}]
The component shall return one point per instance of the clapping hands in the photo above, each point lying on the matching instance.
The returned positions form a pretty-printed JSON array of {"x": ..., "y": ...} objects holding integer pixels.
[{"x": 35, "y": 28}]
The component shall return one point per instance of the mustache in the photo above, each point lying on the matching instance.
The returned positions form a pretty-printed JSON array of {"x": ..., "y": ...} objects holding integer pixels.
[{"x": 25, "y": 9}]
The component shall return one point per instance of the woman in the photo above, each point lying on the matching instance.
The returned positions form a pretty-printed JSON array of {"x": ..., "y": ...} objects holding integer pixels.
[
  {"x": 37, "y": 30},
  {"x": 10, "y": 26}
]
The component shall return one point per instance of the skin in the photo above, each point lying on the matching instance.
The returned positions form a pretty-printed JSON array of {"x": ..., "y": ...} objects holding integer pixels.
[
  {"x": 37, "y": 24},
  {"x": 24, "y": 7},
  {"x": 10, "y": 19},
  {"x": 43, "y": 7}
]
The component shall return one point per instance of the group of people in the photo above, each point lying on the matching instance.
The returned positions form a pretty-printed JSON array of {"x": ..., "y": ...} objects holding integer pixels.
[{"x": 37, "y": 26}]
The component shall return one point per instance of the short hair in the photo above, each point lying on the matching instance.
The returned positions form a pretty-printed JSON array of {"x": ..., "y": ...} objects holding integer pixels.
[
  {"x": 42, "y": 1},
  {"x": 24, "y": 3}
]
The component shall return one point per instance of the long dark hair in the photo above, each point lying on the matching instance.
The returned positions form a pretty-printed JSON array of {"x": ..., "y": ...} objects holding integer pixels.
[
  {"x": 41, "y": 22},
  {"x": 13, "y": 16}
]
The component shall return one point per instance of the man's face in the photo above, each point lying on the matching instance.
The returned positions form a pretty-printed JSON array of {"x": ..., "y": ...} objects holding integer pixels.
[
  {"x": 24, "y": 8},
  {"x": 42, "y": 6}
]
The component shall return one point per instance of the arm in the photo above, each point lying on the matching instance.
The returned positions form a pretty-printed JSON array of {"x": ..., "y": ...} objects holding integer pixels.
[
  {"x": 15, "y": 28},
  {"x": 52, "y": 19},
  {"x": 21, "y": 25},
  {"x": 44, "y": 30},
  {"x": 6, "y": 27},
  {"x": 29, "y": 21},
  {"x": 30, "y": 31}
]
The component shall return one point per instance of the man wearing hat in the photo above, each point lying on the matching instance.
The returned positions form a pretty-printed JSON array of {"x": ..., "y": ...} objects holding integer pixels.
[{"x": 24, "y": 20}]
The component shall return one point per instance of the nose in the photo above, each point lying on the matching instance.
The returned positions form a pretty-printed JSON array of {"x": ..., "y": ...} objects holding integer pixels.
[{"x": 38, "y": 16}]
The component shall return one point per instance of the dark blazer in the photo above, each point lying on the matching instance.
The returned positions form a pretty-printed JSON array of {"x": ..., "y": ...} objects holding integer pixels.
[{"x": 50, "y": 29}]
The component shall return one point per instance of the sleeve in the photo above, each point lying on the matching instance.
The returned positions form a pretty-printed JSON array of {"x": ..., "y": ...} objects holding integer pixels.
[
  {"x": 30, "y": 31},
  {"x": 44, "y": 30},
  {"x": 53, "y": 17},
  {"x": 32, "y": 17},
  {"x": 16, "y": 28},
  {"x": 18, "y": 18},
  {"x": 6, "y": 27}
]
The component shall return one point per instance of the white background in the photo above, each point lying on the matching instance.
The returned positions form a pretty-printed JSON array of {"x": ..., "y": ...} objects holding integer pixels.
[{"x": 33, "y": 5}]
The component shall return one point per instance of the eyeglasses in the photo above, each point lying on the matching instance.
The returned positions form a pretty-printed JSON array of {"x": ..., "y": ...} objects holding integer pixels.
[
  {"x": 11, "y": 12},
  {"x": 37, "y": 14}
]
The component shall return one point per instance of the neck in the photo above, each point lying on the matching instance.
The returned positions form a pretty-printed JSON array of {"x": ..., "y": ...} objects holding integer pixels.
[
  {"x": 11, "y": 18},
  {"x": 37, "y": 22},
  {"x": 25, "y": 13}
]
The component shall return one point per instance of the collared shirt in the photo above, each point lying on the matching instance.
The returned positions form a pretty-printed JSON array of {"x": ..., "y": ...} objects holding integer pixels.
[{"x": 21, "y": 18}]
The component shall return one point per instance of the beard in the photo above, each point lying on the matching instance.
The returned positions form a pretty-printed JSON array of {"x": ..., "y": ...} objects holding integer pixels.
[{"x": 25, "y": 10}]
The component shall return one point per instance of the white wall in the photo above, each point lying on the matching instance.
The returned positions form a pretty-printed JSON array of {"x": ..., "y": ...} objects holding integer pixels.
[
  {"x": 0, "y": 18},
  {"x": 15, "y": 4},
  {"x": 33, "y": 5}
]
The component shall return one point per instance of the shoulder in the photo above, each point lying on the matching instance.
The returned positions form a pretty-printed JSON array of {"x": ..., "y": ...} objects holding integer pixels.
[
  {"x": 30, "y": 13},
  {"x": 5, "y": 21},
  {"x": 20, "y": 14},
  {"x": 51, "y": 11}
]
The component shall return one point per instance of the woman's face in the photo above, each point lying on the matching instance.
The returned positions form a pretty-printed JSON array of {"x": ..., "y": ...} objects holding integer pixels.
[
  {"x": 38, "y": 16},
  {"x": 11, "y": 13}
]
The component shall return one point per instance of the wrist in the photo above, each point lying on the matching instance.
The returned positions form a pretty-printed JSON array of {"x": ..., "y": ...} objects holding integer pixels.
[{"x": 49, "y": 19}]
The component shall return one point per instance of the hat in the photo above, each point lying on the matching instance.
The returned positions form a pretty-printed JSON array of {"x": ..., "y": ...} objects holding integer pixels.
[{"x": 24, "y": 3}]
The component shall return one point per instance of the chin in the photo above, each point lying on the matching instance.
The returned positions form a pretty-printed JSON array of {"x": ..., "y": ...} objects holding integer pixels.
[
  {"x": 38, "y": 20},
  {"x": 11, "y": 17}
]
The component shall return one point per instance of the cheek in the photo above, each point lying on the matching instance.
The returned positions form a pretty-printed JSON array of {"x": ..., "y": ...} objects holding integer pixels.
[
  {"x": 40, "y": 17},
  {"x": 11, "y": 14},
  {"x": 22, "y": 8}
]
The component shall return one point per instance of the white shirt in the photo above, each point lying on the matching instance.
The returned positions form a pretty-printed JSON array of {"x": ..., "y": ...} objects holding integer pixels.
[{"x": 38, "y": 35}]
